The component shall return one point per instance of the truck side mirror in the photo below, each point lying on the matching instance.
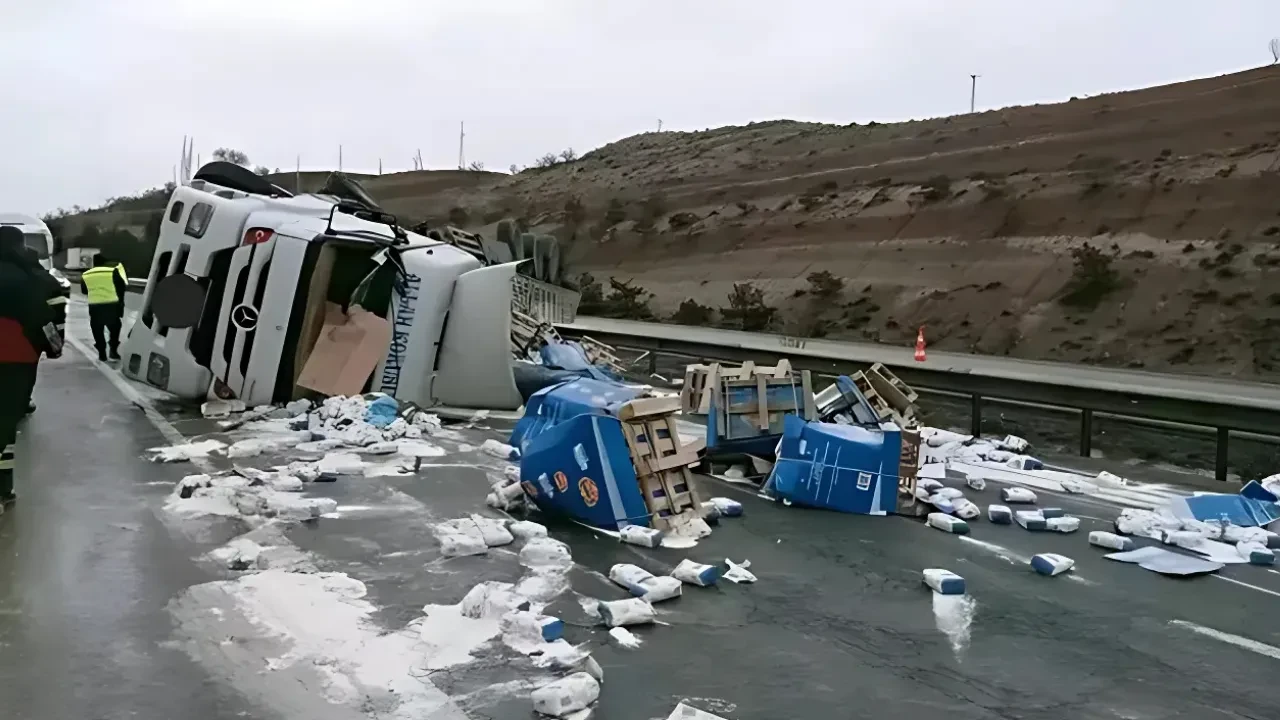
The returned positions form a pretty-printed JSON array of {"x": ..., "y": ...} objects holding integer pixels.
[{"x": 178, "y": 301}]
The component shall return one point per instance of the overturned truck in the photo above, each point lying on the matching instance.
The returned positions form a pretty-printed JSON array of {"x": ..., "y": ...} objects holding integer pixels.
[{"x": 262, "y": 296}]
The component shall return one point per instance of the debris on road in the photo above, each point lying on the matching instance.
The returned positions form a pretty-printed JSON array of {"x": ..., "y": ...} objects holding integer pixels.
[
  {"x": 685, "y": 712},
  {"x": 643, "y": 536},
  {"x": 220, "y": 409},
  {"x": 625, "y": 638},
  {"x": 866, "y": 481},
  {"x": 566, "y": 695},
  {"x": 632, "y": 611},
  {"x": 1163, "y": 561},
  {"x": 944, "y": 582},
  {"x": 644, "y": 584},
  {"x": 694, "y": 573},
  {"x": 1110, "y": 541},
  {"x": 999, "y": 514},
  {"x": 526, "y": 529},
  {"x": 947, "y": 523},
  {"x": 727, "y": 507},
  {"x": 743, "y": 407},
  {"x": 1256, "y": 553},
  {"x": 1062, "y": 524},
  {"x": 1018, "y": 495},
  {"x": 1051, "y": 563},
  {"x": 186, "y": 451},
  {"x": 1030, "y": 520},
  {"x": 738, "y": 573}
]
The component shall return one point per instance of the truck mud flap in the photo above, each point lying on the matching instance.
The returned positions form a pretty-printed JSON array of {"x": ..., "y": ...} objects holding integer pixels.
[{"x": 474, "y": 360}]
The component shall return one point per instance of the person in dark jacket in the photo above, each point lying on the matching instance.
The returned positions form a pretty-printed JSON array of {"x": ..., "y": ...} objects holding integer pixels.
[
  {"x": 57, "y": 298},
  {"x": 105, "y": 287},
  {"x": 27, "y": 330}
]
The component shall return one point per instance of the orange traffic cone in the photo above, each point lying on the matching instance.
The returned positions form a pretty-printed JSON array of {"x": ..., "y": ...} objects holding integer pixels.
[{"x": 920, "y": 345}]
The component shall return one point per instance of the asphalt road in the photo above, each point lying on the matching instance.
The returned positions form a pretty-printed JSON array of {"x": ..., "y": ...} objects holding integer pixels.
[{"x": 837, "y": 626}]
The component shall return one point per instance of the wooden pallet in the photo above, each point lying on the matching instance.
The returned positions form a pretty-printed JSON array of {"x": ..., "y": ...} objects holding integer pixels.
[
  {"x": 661, "y": 460},
  {"x": 528, "y": 333},
  {"x": 892, "y": 399}
]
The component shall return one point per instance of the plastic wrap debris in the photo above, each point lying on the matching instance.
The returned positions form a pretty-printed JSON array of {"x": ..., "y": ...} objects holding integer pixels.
[
  {"x": 687, "y": 712},
  {"x": 738, "y": 573},
  {"x": 1110, "y": 541},
  {"x": 642, "y": 536},
  {"x": 1051, "y": 563},
  {"x": 727, "y": 507},
  {"x": 1145, "y": 523},
  {"x": 864, "y": 480},
  {"x": 999, "y": 514},
  {"x": 341, "y": 463},
  {"x": 459, "y": 538},
  {"x": 965, "y": 509},
  {"x": 566, "y": 695},
  {"x": 186, "y": 451},
  {"x": 1166, "y": 562},
  {"x": 491, "y": 599},
  {"x": 524, "y": 628},
  {"x": 1062, "y": 524},
  {"x": 949, "y": 493},
  {"x": 1256, "y": 554},
  {"x": 504, "y": 497},
  {"x": 1106, "y": 479},
  {"x": 975, "y": 482},
  {"x": 526, "y": 530},
  {"x": 1013, "y": 443},
  {"x": 941, "y": 504},
  {"x": 632, "y": 611},
  {"x": 644, "y": 584},
  {"x": 1261, "y": 536},
  {"x": 382, "y": 411},
  {"x": 191, "y": 483},
  {"x": 1017, "y": 495},
  {"x": 946, "y": 523},
  {"x": 929, "y": 485},
  {"x": 1024, "y": 462},
  {"x": 1030, "y": 520},
  {"x": 219, "y": 409},
  {"x": 694, "y": 573},
  {"x": 500, "y": 450},
  {"x": 943, "y": 582},
  {"x": 1076, "y": 486},
  {"x": 625, "y": 638},
  {"x": 543, "y": 553},
  {"x": 1234, "y": 509}
]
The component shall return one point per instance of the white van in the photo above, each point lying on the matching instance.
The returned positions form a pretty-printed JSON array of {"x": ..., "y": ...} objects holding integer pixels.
[
  {"x": 36, "y": 236},
  {"x": 268, "y": 262}
]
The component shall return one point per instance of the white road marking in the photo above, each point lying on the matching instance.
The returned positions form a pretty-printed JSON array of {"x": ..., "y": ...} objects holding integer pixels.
[
  {"x": 1251, "y": 587},
  {"x": 166, "y": 428},
  {"x": 1240, "y": 642}
]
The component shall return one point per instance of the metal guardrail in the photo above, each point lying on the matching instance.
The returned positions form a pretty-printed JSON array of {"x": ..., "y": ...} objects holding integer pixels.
[{"x": 1222, "y": 405}]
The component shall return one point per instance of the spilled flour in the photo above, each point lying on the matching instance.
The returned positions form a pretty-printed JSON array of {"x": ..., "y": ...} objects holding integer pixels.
[{"x": 953, "y": 615}]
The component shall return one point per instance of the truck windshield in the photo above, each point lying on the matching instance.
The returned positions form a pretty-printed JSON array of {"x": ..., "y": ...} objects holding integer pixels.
[{"x": 37, "y": 242}]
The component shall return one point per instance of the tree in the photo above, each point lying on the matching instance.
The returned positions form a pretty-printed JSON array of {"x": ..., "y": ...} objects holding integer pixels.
[
  {"x": 262, "y": 170},
  {"x": 1275, "y": 50},
  {"x": 476, "y": 166},
  {"x": 568, "y": 155},
  {"x": 1092, "y": 278},
  {"x": 231, "y": 156},
  {"x": 747, "y": 310},
  {"x": 823, "y": 284},
  {"x": 514, "y": 169}
]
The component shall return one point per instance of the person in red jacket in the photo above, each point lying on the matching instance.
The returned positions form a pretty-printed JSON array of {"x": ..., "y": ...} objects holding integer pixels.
[{"x": 28, "y": 329}]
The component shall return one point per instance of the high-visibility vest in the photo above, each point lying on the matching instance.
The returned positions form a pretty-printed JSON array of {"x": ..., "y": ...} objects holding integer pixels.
[
  {"x": 123, "y": 275},
  {"x": 101, "y": 284}
]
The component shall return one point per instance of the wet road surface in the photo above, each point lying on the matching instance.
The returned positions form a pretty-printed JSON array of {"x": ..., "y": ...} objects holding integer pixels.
[{"x": 837, "y": 626}]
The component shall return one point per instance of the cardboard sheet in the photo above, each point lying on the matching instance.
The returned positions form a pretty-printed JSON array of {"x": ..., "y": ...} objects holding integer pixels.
[{"x": 349, "y": 348}]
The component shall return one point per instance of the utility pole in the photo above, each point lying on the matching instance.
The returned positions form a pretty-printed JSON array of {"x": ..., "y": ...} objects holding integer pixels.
[
  {"x": 973, "y": 92},
  {"x": 659, "y": 124},
  {"x": 379, "y": 166},
  {"x": 297, "y": 177},
  {"x": 339, "y": 158},
  {"x": 462, "y": 136}
]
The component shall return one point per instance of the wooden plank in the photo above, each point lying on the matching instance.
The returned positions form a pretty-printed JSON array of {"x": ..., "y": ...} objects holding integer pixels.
[{"x": 645, "y": 407}]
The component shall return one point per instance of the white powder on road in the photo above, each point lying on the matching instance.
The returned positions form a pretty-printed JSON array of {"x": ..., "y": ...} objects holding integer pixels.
[
  {"x": 625, "y": 638},
  {"x": 953, "y": 615},
  {"x": 186, "y": 451}
]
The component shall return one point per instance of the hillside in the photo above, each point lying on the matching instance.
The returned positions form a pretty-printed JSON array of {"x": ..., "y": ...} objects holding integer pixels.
[{"x": 970, "y": 225}]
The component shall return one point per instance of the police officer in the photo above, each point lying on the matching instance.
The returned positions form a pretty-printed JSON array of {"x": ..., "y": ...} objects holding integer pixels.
[
  {"x": 27, "y": 329},
  {"x": 105, "y": 287}
]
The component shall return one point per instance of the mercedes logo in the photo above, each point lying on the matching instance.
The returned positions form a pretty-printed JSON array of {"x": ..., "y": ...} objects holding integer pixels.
[{"x": 244, "y": 317}]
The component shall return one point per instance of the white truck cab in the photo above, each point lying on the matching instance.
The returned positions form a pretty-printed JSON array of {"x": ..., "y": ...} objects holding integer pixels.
[{"x": 267, "y": 263}]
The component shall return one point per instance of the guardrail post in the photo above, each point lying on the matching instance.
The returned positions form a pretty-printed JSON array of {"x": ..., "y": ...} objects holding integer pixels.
[
  {"x": 1086, "y": 432},
  {"x": 653, "y": 363},
  {"x": 1220, "y": 469},
  {"x": 975, "y": 415}
]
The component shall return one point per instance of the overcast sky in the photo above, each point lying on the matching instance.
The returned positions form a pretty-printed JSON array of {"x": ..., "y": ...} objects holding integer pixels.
[{"x": 99, "y": 94}]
